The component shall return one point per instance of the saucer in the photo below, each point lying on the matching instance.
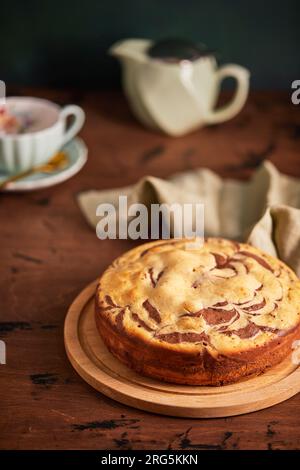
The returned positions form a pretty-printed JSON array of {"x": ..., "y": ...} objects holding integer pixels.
[{"x": 76, "y": 151}]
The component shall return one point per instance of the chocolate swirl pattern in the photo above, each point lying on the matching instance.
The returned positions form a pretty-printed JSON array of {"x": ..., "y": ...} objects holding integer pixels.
[{"x": 221, "y": 299}]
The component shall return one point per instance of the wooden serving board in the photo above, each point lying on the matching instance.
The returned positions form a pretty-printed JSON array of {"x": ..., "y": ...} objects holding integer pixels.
[{"x": 95, "y": 364}]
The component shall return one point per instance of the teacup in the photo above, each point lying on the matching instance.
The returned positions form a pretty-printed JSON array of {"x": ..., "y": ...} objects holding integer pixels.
[{"x": 46, "y": 133}]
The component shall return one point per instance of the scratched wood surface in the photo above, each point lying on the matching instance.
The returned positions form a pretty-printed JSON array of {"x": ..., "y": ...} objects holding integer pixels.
[{"x": 48, "y": 254}]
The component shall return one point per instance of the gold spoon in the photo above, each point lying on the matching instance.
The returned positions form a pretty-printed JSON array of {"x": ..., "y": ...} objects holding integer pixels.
[{"x": 59, "y": 161}]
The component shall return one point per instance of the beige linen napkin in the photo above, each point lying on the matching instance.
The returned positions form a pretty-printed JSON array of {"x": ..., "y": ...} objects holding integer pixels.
[{"x": 265, "y": 211}]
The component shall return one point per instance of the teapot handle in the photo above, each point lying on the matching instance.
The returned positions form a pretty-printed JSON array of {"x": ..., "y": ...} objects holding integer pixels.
[{"x": 230, "y": 110}]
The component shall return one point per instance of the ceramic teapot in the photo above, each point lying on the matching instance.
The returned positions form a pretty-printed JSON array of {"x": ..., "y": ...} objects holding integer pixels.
[{"x": 173, "y": 85}]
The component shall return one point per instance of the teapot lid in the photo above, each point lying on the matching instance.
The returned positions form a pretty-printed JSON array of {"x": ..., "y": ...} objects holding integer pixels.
[{"x": 176, "y": 50}]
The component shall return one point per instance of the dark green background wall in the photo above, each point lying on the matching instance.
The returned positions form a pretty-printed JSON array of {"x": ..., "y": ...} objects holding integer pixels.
[{"x": 64, "y": 43}]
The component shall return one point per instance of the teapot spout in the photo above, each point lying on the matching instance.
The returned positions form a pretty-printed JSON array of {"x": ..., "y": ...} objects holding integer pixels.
[{"x": 134, "y": 49}]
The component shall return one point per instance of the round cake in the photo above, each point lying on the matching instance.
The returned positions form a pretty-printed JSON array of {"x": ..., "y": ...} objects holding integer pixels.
[{"x": 200, "y": 315}]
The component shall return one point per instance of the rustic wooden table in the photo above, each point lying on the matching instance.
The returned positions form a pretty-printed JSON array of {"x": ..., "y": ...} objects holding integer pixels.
[{"x": 49, "y": 253}]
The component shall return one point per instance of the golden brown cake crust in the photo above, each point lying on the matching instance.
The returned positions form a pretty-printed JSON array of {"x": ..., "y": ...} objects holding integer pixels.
[{"x": 204, "y": 315}]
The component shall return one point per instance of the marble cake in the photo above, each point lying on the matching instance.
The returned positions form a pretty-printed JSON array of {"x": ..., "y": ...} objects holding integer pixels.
[{"x": 206, "y": 316}]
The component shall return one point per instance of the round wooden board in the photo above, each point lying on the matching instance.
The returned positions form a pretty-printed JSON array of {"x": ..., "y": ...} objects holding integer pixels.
[{"x": 101, "y": 370}]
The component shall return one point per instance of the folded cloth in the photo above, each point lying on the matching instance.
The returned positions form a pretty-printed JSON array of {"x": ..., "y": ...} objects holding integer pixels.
[{"x": 264, "y": 211}]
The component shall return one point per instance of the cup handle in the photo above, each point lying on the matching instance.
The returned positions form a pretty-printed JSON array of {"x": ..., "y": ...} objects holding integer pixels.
[
  {"x": 74, "y": 128},
  {"x": 230, "y": 110}
]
